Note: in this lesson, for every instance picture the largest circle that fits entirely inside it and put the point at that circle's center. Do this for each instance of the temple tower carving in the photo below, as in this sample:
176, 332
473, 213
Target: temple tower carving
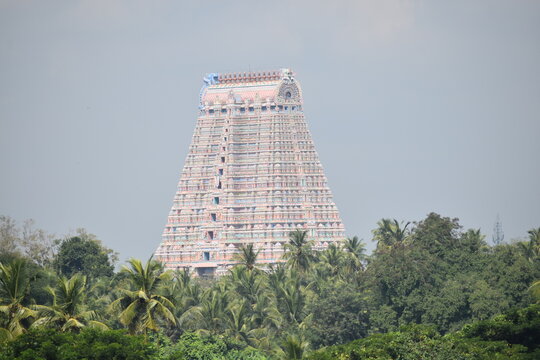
252, 175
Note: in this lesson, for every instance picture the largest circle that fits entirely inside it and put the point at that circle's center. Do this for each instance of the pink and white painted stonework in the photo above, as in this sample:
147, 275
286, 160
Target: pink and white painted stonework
252, 175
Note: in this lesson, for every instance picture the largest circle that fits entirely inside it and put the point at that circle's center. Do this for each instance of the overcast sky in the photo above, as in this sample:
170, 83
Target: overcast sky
414, 106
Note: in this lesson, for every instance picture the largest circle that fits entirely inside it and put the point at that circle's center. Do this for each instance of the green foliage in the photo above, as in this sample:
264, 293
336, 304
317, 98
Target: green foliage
293, 348
518, 326
442, 276
90, 344
195, 347
247, 256
142, 307
84, 254
68, 311
419, 342
408, 300
14, 284
341, 315
299, 252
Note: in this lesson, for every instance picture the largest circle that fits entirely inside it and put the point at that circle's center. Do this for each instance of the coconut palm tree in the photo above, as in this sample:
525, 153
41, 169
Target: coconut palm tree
248, 284
294, 301
298, 251
237, 322
184, 294
277, 275
531, 248
68, 311
390, 233
355, 248
102, 291
247, 256
333, 258
534, 240
293, 348
207, 317
535, 290
265, 313
14, 284
142, 307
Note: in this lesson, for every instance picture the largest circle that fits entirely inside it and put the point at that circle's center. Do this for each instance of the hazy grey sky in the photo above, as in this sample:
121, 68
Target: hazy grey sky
414, 106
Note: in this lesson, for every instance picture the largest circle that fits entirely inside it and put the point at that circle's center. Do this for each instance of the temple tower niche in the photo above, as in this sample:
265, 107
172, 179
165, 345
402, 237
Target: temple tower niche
252, 175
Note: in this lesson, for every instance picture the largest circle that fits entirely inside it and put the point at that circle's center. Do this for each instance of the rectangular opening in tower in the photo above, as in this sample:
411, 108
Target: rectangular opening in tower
216, 200
213, 217
206, 256
211, 235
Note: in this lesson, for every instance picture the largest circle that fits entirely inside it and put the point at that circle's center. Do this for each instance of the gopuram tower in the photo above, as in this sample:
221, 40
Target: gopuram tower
251, 176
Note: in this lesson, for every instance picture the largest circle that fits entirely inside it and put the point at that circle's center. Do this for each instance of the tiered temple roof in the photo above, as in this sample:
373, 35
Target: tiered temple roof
252, 175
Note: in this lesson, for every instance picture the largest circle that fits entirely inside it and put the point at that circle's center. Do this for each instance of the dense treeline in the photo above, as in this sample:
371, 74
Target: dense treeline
422, 287
514, 335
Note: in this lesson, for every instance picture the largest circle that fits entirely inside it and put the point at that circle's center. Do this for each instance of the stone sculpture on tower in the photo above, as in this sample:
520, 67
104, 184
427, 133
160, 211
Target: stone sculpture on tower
251, 176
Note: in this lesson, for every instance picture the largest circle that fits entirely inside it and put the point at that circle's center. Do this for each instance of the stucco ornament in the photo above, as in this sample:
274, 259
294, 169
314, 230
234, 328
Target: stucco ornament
289, 91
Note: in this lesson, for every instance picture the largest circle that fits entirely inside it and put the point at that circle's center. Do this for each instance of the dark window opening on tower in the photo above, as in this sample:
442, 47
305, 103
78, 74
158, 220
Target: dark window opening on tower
216, 200
251, 109
280, 107
213, 216
242, 110
211, 235
263, 108
288, 95
225, 138
220, 171
223, 111
219, 185
223, 159
273, 107
206, 256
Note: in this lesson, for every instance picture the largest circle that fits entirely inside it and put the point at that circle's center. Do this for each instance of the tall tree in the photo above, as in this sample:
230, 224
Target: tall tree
36, 245
84, 254
390, 233
142, 307
68, 311
298, 251
356, 248
532, 247
333, 258
247, 256
354, 257
207, 317
293, 348
14, 284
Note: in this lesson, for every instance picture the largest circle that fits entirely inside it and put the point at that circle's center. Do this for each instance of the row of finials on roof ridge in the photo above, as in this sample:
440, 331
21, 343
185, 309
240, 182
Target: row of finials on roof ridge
253, 76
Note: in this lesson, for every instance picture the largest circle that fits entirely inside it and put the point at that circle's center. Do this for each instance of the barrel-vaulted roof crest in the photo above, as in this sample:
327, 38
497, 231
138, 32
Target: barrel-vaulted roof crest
260, 86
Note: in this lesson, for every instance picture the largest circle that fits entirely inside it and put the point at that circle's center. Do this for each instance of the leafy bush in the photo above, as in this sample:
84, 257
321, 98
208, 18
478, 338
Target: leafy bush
90, 344
515, 335
191, 346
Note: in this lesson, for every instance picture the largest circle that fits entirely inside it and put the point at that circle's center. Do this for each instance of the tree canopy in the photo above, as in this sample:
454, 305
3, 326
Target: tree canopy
430, 290
86, 255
